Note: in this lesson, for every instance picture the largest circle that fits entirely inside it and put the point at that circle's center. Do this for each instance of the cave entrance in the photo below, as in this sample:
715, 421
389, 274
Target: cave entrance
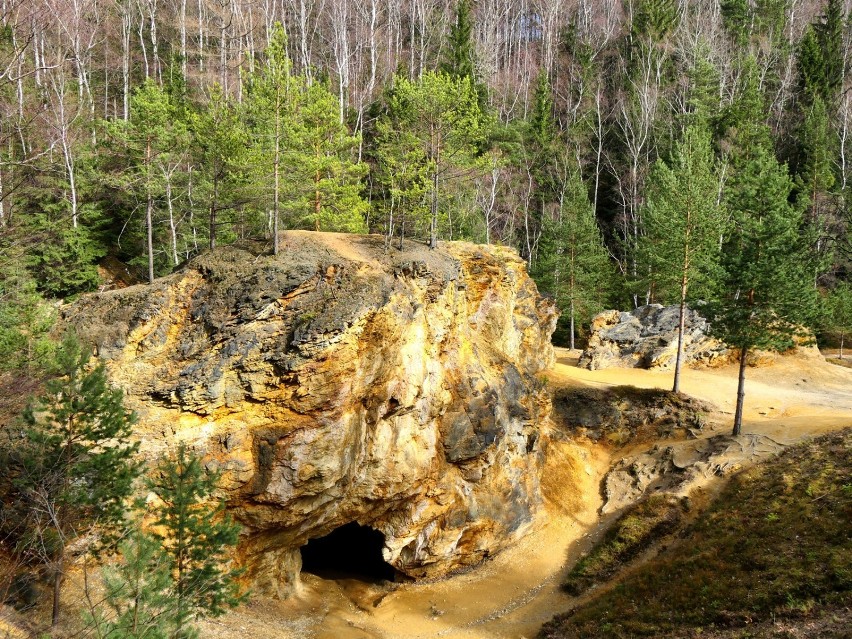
349, 552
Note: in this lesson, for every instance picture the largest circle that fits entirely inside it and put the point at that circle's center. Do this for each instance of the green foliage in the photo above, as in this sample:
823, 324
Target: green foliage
737, 19
838, 315
573, 264
148, 153
302, 149
74, 469
222, 141
767, 295
683, 222
25, 318
435, 123
655, 19
323, 166
460, 54
820, 56
138, 601
196, 536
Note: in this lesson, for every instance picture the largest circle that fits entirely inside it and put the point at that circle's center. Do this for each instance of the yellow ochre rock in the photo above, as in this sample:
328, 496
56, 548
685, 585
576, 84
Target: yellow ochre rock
344, 382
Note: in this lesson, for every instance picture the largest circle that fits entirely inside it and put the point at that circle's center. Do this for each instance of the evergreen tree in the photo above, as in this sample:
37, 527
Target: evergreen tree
573, 263
821, 56
148, 150
324, 172
271, 107
737, 18
444, 125
815, 179
683, 225
221, 140
544, 146
137, 594
25, 317
74, 468
197, 536
460, 56
767, 295
838, 318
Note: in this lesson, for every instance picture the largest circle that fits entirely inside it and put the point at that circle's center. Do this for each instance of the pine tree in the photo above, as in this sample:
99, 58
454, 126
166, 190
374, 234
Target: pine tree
402, 177
325, 176
815, 179
445, 125
148, 149
767, 295
573, 263
460, 57
820, 56
137, 594
683, 225
74, 468
271, 92
838, 319
197, 537
221, 141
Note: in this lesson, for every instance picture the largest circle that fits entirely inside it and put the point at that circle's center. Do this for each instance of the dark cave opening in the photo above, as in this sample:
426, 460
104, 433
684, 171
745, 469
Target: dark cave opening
349, 552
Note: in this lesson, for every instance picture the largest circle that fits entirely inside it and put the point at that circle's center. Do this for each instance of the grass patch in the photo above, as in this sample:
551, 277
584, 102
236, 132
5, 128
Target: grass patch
633, 532
777, 542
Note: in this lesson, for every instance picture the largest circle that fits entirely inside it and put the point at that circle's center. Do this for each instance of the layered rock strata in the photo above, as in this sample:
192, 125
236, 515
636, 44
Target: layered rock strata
340, 382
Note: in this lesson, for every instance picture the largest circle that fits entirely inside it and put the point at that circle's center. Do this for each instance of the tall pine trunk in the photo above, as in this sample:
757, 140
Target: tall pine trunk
57, 588
680, 326
149, 214
738, 413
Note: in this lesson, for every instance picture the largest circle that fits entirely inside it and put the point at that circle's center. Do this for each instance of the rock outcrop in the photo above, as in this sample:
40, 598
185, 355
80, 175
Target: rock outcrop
342, 383
647, 338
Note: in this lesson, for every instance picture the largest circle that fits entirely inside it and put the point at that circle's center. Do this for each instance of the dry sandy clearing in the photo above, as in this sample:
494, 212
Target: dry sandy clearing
511, 595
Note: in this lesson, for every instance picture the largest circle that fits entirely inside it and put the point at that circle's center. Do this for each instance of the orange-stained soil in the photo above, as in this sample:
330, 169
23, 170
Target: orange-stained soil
511, 595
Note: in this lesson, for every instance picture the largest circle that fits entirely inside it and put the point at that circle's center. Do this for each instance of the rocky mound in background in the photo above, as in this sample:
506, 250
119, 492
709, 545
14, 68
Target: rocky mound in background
647, 338
341, 383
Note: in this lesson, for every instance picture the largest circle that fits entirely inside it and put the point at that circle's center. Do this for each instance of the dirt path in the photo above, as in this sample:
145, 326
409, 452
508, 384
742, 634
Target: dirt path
511, 595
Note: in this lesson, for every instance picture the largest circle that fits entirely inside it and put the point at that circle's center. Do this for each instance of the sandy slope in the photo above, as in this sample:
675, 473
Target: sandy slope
514, 593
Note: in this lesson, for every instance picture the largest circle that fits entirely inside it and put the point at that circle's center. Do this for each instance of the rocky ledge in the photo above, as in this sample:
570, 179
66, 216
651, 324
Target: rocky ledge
341, 383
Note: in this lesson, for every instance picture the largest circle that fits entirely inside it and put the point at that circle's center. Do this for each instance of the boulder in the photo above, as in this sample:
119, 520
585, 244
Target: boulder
341, 382
647, 338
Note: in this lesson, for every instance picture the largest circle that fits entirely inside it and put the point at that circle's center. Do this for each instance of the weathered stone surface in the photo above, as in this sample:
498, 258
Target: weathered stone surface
681, 466
626, 414
647, 338
339, 383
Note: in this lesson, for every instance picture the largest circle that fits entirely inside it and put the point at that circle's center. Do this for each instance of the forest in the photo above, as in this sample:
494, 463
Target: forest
633, 151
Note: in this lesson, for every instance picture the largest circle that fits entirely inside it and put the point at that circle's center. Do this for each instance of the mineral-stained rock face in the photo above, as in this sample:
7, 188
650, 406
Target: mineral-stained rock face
340, 382
647, 338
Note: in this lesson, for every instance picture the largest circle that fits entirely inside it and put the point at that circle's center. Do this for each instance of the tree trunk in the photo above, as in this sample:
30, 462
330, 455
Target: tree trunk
57, 586
317, 200
149, 215
275, 211
680, 326
738, 413
841, 347
572, 325
433, 223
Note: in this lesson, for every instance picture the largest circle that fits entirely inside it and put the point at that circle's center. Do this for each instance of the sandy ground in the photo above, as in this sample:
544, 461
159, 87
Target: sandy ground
511, 595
